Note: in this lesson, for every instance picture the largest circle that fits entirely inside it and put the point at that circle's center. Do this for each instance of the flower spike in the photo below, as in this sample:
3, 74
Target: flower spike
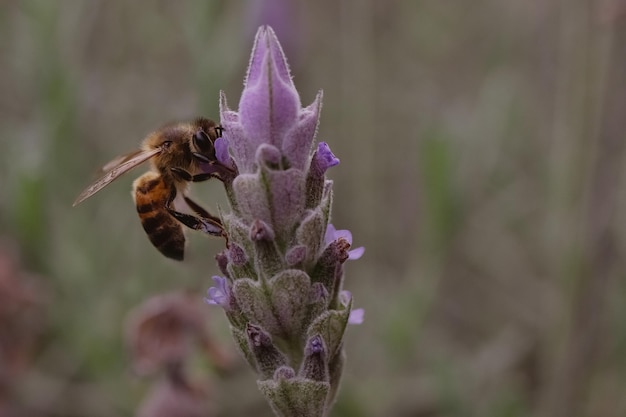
283, 292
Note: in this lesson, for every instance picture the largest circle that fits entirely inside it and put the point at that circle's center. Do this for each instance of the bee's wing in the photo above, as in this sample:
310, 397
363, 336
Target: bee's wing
114, 169
120, 160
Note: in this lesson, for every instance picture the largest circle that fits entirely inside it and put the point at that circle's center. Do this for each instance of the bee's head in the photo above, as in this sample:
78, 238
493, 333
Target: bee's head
174, 142
203, 140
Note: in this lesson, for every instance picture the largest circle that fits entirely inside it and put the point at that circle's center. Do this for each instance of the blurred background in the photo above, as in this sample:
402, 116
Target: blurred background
482, 166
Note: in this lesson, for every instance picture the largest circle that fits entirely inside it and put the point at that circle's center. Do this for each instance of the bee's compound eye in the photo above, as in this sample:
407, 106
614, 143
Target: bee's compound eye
202, 142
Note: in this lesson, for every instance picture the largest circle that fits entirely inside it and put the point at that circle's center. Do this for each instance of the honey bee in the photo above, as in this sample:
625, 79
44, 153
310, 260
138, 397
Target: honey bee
179, 153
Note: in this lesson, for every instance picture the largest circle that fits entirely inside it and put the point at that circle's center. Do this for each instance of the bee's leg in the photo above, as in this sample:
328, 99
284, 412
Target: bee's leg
186, 176
201, 211
181, 174
202, 158
204, 221
204, 177
205, 225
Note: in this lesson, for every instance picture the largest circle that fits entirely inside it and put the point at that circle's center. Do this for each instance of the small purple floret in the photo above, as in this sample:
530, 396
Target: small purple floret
356, 316
315, 345
221, 151
333, 234
220, 294
356, 253
324, 157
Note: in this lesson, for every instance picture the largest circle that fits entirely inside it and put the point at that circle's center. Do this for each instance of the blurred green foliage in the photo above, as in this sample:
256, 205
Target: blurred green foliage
482, 155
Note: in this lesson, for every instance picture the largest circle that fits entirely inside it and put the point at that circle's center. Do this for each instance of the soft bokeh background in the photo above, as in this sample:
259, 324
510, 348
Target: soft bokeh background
482, 165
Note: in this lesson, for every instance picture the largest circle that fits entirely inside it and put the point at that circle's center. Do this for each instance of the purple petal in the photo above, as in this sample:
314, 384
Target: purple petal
220, 294
356, 253
266, 42
270, 103
221, 151
297, 143
344, 233
333, 234
356, 316
324, 157
242, 150
329, 237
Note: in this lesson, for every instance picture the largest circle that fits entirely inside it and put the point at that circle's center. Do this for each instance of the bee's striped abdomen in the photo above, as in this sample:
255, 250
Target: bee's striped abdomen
152, 195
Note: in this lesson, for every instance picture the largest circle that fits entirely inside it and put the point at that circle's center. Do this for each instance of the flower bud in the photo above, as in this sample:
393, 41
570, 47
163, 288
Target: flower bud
315, 364
322, 159
268, 357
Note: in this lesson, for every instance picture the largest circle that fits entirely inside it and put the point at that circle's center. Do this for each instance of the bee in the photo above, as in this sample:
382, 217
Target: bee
179, 153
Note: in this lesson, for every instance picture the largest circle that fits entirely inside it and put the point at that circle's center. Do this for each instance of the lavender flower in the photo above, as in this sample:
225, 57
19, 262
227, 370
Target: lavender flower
333, 234
219, 295
283, 286
357, 316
